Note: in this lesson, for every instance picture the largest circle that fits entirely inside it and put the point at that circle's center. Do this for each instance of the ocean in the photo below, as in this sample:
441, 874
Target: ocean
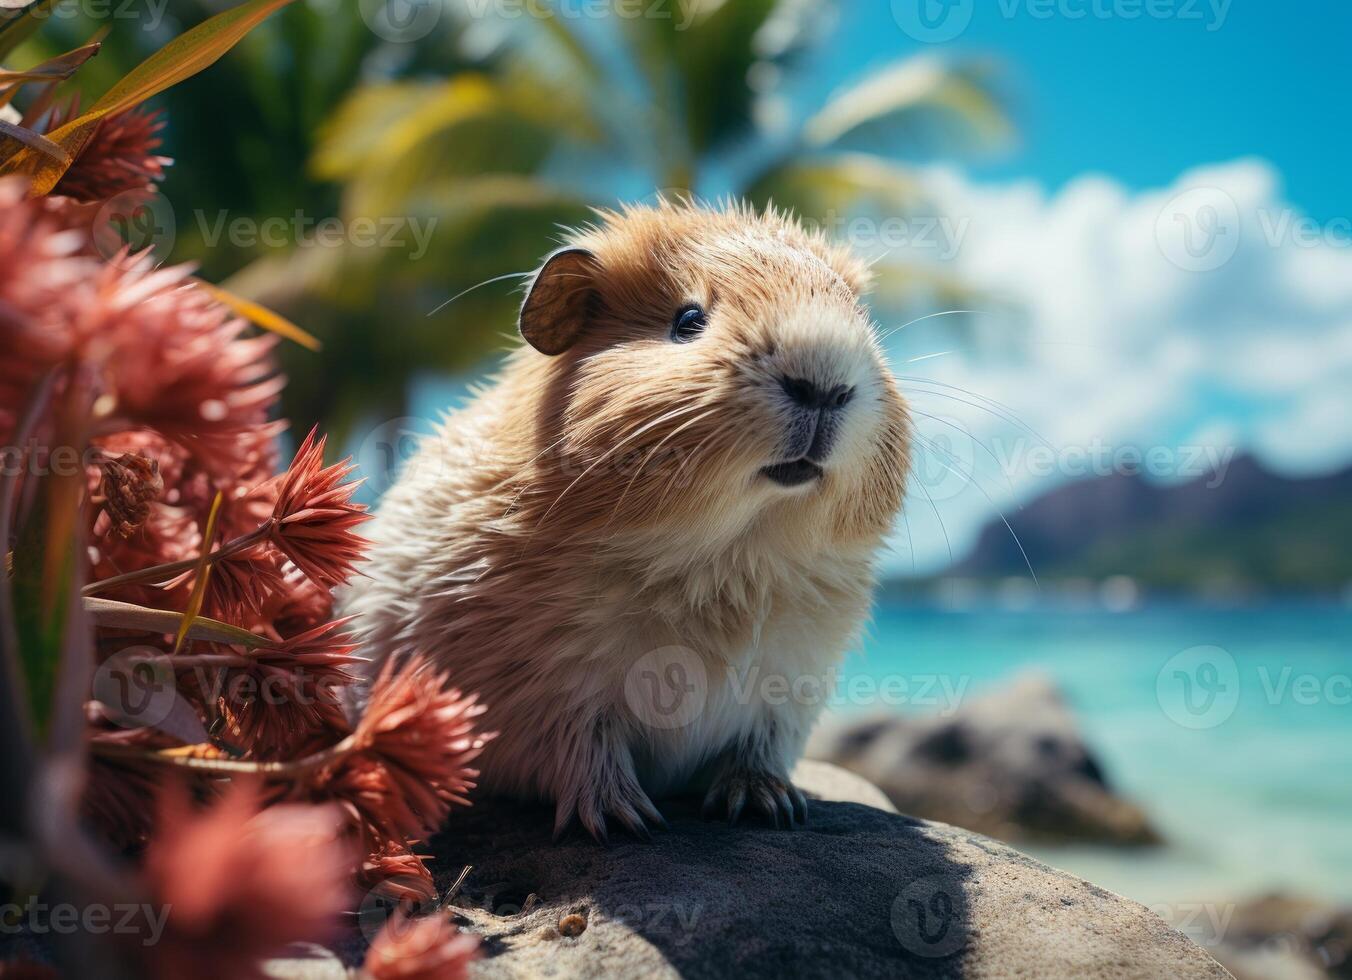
1231, 726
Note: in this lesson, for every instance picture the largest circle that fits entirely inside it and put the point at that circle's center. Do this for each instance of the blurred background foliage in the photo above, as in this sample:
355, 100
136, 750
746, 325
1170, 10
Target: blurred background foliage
498, 124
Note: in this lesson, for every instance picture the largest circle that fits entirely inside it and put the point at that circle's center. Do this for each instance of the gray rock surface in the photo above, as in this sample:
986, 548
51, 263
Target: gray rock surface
859, 892
1011, 764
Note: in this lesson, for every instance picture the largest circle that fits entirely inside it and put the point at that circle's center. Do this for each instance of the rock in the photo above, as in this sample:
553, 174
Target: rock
1285, 937
1012, 765
858, 892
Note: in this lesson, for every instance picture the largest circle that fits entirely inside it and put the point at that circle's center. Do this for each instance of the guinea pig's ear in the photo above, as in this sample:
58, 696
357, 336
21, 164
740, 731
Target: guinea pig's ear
559, 302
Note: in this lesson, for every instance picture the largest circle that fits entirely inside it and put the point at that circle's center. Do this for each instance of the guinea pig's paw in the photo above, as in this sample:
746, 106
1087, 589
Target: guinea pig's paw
625, 804
768, 794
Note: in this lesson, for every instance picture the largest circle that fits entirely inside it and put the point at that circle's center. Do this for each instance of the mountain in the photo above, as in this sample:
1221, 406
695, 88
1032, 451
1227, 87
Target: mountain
1249, 530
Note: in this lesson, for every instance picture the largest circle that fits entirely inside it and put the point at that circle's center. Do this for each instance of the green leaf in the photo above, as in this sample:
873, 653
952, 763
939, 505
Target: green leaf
52, 70
181, 58
911, 99
261, 316
128, 615
17, 24
389, 138
44, 582
837, 186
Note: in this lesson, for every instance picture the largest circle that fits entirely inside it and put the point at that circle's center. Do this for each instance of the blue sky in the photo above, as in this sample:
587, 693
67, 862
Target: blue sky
1144, 100
1117, 117
1103, 334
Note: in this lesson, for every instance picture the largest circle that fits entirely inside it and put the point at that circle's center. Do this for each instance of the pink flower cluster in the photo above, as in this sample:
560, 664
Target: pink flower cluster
255, 832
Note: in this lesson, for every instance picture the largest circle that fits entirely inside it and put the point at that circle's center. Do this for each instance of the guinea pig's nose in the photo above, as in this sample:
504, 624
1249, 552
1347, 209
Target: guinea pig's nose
811, 395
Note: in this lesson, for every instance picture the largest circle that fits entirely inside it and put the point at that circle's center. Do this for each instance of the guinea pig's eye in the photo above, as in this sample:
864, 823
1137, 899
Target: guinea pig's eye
688, 324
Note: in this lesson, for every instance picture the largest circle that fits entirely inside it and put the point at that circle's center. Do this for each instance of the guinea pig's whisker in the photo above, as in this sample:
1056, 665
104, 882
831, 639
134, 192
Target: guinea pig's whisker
501, 484
943, 530
928, 316
676, 413
653, 452
1007, 415
957, 428
910, 541
973, 482
929, 357
966, 391
486, 282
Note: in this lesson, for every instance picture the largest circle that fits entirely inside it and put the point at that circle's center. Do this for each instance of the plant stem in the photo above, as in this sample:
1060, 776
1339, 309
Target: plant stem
16, 723
162, 573
276, 770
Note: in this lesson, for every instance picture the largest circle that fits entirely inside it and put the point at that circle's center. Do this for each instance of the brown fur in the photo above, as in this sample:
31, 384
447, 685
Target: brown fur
594, 506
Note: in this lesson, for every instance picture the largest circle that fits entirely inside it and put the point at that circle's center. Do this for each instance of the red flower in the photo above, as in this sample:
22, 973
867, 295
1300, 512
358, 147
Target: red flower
425, 730
173, 359
429, 948
314, 516
414, 746
241, 584
119, 157
399, 876
39, 263
240, 884
292, 691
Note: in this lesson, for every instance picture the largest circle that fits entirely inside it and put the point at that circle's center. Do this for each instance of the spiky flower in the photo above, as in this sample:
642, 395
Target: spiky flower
291, 691
40, 262
398, 875
412, 753
119, 157
428, 948
314, 517
241, 883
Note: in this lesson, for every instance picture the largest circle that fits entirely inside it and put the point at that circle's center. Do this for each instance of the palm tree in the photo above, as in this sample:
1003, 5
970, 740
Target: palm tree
563, 114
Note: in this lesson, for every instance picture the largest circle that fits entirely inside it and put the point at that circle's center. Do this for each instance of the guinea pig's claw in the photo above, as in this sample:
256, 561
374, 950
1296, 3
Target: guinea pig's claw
775, 799
799, 804
631, 810
736, 803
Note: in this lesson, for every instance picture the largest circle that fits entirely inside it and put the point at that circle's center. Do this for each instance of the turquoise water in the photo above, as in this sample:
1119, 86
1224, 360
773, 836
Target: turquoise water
1232, 727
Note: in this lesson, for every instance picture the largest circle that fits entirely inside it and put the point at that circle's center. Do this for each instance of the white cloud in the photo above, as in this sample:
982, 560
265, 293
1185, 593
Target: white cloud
1208, 313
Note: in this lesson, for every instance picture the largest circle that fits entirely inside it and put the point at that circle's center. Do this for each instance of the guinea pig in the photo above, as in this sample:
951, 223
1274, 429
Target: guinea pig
662, 515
